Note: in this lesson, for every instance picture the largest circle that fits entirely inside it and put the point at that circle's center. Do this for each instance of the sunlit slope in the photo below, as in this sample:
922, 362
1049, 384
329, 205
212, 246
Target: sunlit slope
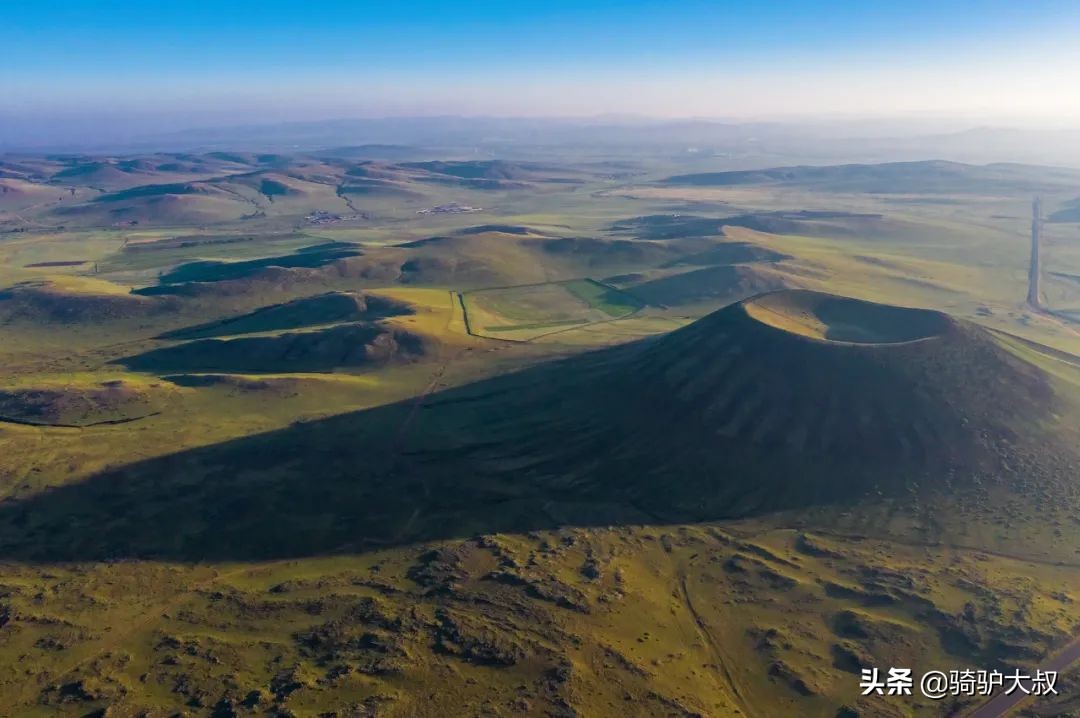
843, 320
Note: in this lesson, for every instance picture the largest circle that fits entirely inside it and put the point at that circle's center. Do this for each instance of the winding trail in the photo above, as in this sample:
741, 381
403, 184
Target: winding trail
714, 646
404, 429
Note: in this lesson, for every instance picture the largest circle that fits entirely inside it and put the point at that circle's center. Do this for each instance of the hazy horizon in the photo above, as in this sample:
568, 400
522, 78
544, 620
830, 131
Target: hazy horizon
83, 68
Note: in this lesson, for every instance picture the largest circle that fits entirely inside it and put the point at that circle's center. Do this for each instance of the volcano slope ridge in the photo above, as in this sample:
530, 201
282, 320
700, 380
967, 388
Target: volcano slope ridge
788, 400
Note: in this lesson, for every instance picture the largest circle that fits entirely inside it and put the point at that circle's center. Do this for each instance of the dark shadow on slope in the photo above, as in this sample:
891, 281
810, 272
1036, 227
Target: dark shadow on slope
216, 271
800, 222
472, 462
730, 253
727, 417
327, 308
357, 344
348, 483
708, 284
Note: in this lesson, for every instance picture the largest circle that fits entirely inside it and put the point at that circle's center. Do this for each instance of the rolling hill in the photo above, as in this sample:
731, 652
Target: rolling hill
103, 173
117, 173
474, 257
355, 344
173, 204
329, 308
16, 193
220, 187
493, 174
809, 223
81, 405
709, 284
897, 178
73, 301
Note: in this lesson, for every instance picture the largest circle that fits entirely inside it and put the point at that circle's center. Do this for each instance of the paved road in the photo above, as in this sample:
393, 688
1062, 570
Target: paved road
1002, 704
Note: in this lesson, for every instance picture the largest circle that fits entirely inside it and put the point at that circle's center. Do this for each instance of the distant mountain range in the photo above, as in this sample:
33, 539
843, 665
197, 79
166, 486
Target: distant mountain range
398, 138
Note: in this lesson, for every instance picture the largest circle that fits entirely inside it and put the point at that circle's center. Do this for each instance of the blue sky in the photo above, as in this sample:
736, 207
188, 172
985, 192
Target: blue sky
292, 60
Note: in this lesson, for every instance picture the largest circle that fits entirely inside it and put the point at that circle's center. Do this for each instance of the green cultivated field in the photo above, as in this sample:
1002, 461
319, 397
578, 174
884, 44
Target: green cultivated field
531, 311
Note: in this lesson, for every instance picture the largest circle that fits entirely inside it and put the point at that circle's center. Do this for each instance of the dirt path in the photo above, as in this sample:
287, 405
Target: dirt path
714, 646
398, 459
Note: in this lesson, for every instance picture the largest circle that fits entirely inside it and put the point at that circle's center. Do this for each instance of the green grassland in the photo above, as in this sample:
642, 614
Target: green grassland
311, 522
532, 311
